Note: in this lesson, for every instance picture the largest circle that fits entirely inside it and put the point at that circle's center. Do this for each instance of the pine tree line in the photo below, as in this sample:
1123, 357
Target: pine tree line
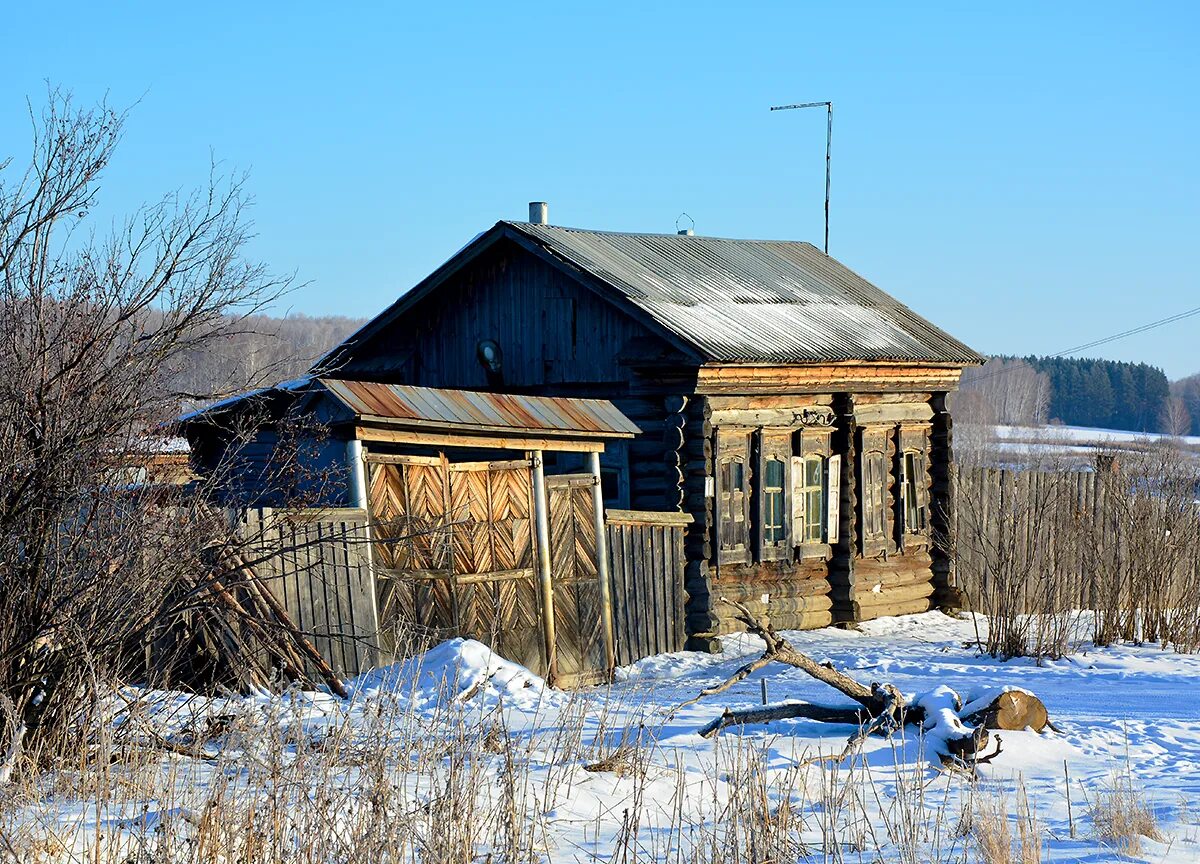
1109, 394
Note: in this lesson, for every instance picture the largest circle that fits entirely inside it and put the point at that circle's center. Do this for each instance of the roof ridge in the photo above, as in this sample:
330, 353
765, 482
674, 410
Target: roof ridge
522, 226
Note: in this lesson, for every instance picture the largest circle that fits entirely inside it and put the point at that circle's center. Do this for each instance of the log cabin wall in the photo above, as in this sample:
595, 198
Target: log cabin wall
737, 547
891, 566
854, 575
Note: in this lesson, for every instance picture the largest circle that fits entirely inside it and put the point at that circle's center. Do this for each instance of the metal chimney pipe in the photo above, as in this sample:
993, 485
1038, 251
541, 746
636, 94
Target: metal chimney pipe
539, 212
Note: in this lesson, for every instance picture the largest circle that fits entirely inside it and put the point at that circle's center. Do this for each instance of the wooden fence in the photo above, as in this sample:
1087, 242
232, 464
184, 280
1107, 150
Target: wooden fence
317, 564
1047, 541
1027, 529
647, 571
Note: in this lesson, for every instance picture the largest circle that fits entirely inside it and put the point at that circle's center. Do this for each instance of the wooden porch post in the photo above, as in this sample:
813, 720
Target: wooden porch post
602, 562
541, 515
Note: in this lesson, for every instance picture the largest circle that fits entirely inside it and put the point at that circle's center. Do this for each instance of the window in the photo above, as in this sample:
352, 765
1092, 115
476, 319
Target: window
914, 492
733, 498
874, 496
773, 478
774, 494
812, 490
816, 492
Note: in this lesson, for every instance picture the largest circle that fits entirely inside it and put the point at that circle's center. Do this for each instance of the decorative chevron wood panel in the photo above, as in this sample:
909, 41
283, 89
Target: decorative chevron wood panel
579, 640
457, 542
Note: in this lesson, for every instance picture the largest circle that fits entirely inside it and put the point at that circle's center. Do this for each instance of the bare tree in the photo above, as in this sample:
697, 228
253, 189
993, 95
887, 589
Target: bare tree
1175, 420
95, 326
1014, 392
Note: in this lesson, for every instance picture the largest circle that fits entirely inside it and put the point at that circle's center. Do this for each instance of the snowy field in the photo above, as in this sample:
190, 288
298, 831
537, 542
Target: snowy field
1075, 445
469, 739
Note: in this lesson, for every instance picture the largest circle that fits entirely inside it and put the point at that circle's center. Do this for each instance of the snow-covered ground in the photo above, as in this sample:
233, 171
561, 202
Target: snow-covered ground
1123, 711
1074, 445
1086, 435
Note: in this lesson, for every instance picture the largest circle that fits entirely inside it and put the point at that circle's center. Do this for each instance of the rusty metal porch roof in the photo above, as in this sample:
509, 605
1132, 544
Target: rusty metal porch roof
469, 411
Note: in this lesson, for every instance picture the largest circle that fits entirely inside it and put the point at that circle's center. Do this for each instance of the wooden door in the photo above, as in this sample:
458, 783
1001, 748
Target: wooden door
496, 587
578, 622
412, 550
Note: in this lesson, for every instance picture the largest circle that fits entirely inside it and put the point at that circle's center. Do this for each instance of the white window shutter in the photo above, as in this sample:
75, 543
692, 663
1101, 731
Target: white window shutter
797, 484
833, 499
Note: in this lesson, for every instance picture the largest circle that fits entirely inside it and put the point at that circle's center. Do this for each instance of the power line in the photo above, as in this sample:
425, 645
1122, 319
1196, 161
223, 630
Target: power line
1170, 319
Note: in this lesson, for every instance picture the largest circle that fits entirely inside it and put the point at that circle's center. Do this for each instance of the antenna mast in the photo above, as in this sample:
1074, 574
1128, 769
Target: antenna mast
828, 106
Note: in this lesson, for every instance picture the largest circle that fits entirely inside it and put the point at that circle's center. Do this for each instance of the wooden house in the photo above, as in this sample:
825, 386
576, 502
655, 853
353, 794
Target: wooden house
793, 409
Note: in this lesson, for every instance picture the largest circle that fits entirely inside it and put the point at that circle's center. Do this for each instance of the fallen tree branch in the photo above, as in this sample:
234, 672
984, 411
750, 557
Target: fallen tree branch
787, 711
957, 740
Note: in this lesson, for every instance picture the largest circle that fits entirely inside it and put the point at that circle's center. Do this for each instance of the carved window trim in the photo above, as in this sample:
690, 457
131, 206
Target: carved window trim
733, 482
875, 480
774, 531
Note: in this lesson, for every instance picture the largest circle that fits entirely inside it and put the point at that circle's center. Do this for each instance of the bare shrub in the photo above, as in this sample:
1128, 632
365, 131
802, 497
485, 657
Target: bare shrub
1036, 546
94, 328
1008, 566
1146, 551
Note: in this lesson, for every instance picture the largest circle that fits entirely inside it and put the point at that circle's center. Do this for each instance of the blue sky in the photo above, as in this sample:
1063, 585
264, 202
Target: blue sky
1025, 175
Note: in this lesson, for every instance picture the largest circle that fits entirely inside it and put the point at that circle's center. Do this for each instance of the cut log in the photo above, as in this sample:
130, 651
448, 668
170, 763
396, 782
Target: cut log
787, 711
1012, 711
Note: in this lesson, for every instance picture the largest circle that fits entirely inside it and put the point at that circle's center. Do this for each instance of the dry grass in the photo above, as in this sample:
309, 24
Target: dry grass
273, 781
1121, 815
991, 830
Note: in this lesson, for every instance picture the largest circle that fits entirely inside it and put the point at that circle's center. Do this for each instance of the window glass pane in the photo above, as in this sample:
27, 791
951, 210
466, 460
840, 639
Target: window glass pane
813, 511
774, 478
736, 476
773, 518
812, 472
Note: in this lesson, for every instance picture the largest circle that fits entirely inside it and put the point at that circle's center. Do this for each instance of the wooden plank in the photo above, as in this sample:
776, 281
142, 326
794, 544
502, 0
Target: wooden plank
620, 593
680, 609
318, 594
647, 517
413, 575
495, 576
662, 578
396, 459
483, 440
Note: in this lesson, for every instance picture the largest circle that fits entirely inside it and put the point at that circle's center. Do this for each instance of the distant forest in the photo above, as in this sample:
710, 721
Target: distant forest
259, 351
1081, 392
1105, 393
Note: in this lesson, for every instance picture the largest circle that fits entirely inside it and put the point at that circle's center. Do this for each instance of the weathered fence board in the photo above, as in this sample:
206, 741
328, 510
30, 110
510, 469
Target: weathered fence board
317, 564
647, 571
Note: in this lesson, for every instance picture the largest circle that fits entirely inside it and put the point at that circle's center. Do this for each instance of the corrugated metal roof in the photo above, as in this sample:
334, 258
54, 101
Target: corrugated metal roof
753, 300
466, 409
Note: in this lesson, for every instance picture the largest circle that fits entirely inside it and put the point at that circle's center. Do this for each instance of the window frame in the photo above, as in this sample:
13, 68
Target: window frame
732, 505
806, 489
874, 491
913, 459
815, 443
774, 445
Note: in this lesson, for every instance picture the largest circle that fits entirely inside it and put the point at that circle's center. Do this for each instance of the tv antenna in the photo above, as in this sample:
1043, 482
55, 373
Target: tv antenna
828, 106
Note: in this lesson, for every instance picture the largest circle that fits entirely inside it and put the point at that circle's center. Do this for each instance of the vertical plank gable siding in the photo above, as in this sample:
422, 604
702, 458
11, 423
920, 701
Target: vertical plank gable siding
317, 564
551, 330
647, 564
